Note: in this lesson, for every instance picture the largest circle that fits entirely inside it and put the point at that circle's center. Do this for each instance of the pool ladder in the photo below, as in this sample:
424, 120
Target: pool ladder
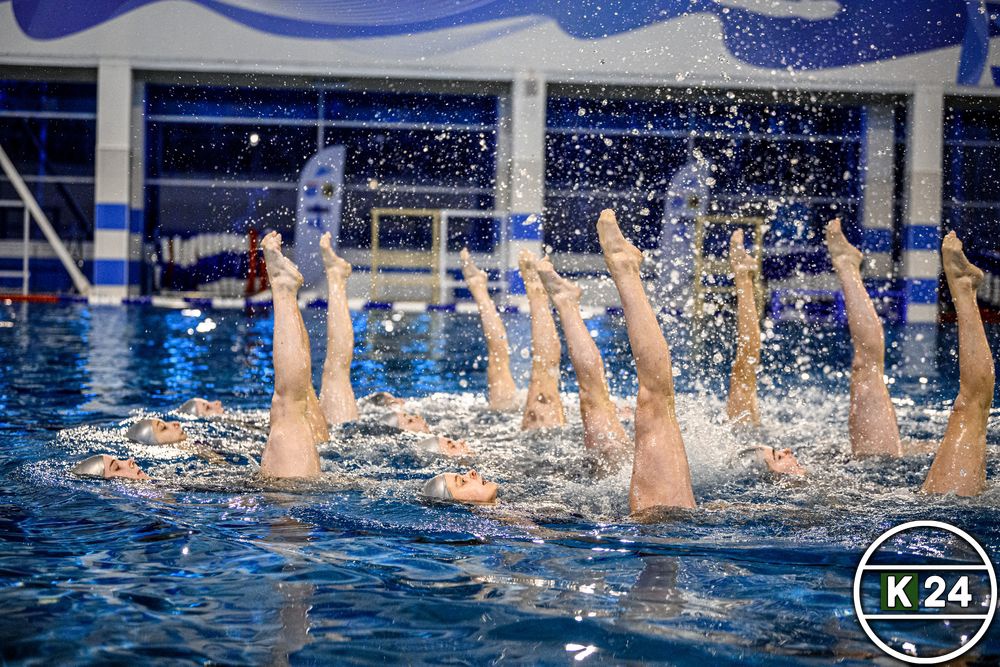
33, 210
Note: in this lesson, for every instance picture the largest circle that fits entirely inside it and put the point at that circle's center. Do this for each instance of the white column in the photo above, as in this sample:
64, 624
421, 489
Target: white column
111, 215
922, 232
526, 175
137, 188
879, 157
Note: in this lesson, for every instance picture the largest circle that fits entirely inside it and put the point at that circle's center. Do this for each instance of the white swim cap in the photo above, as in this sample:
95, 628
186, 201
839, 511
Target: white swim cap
190, 407
92, 467
142, 432
437, 488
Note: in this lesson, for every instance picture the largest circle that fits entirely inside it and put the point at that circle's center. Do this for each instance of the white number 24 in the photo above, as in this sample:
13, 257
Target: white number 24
959, 592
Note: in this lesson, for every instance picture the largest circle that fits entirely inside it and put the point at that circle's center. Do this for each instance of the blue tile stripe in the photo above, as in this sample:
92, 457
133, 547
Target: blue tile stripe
877, 240
519, 228
922, 237
923, 290
515, 284
111, 217
116, 272
137, 221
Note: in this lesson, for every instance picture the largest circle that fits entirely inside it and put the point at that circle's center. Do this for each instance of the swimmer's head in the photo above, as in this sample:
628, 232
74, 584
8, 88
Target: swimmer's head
443, 445
106, 467
155, 432
778, 461
383, 399
405, 421
467, 488
199, 407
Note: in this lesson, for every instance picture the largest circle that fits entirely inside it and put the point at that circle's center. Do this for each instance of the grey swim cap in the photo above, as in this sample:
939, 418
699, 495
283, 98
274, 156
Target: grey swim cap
381, 398
142, 432
190, 407
92, 467
437, 487
430, 443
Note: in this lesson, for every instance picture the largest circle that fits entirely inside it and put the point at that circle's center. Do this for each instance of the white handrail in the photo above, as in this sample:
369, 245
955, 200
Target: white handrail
79, 280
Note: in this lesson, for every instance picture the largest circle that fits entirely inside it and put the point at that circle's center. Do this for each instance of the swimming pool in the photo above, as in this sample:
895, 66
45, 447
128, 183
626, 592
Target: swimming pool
209, 565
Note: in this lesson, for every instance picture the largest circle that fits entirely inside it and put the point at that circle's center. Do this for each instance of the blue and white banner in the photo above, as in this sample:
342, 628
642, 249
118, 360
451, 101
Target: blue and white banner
690, 37
321, 198
687, 197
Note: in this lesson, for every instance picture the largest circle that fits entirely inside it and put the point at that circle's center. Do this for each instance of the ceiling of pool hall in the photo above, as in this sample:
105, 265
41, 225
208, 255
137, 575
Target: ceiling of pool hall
863, 43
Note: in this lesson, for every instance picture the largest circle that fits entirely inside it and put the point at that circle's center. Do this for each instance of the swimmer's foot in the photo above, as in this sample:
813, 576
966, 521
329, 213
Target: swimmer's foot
619, 254
957, 267
739, 259
842, 254
337, 268
475, 277
527, 264
561, 291
281, 272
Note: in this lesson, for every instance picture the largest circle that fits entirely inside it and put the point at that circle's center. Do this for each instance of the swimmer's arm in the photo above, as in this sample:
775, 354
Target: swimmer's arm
202, 452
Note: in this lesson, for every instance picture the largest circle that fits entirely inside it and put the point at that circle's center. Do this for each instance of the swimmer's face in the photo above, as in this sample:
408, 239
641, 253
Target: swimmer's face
117, 468
450, 447
167, 433
471, 487
204, 408
780, 461
415, 423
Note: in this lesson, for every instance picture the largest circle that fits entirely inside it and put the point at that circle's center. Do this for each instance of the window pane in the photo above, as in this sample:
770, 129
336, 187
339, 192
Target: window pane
192, 210
69, 207
53, 147
446, 158
384, 107
48, 96
208, 151
232, 101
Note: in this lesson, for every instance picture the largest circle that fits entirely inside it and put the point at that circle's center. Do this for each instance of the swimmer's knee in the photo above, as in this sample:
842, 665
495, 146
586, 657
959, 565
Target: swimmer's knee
970, 402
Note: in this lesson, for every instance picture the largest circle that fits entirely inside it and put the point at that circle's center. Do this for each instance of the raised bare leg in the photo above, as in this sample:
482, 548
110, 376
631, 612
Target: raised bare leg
742, 403
872, 423
336, 397
960, 464
291, 442
660, 472
502, 390
603, 435
313, 409
543, 407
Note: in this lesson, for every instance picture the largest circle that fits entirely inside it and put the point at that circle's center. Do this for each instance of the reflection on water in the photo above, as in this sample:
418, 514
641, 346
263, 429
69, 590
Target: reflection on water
210, 564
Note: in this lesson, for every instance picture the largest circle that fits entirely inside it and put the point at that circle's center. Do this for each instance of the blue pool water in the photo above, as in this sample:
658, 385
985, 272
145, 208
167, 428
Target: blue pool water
209, 565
